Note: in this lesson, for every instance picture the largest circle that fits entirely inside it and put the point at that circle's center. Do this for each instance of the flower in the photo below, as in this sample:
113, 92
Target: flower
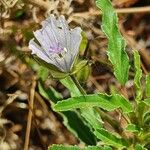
57, 44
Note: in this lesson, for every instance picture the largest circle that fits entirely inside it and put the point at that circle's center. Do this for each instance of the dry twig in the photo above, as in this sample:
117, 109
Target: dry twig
31, 102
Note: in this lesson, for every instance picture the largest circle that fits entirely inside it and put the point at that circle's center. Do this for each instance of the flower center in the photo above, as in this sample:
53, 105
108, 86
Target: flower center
58, 50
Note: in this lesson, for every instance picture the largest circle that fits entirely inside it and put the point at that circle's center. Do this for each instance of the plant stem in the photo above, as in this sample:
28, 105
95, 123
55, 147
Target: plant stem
78, 84
105, 116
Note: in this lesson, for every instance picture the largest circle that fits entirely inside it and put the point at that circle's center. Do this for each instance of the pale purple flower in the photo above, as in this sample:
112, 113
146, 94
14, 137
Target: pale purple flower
59, 45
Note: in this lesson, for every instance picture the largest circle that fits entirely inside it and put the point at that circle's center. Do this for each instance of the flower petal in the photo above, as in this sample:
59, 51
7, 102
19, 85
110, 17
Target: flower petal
57, 39
37, 50
75, 40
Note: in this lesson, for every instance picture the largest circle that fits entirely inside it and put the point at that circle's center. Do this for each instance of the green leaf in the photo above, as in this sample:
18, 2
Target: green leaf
132, 128
71, 119
138, 75
61, 147
91, 116
77, 126
83, 42
97, 148
148, 85
147, 118
110, 139
139, 147
146, 101
107, 148
106, 102
43, 73
116, 43
69, 84
93, 148
50, 93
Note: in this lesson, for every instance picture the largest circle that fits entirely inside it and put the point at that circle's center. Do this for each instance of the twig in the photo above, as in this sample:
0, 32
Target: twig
46, 5
124, 91
36, 125
40, 3
93, 12
145, 9
31, 102
11, 98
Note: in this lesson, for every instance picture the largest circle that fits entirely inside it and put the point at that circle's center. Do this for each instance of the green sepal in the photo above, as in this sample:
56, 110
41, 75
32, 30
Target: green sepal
84, 73
84, 42
79, 64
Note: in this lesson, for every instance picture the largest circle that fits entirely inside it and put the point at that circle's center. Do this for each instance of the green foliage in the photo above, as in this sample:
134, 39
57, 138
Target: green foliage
116, 43
147, 101
138, 75
132, 128
43, 73
79, 65
69, 84
140, 147
91, 116
103, 101
83, 43
84, 73
71, 119
61, 147
148, 85
110, 139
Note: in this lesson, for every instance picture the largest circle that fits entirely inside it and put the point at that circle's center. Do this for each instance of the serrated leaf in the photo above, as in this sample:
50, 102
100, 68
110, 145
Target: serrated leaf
110, 139
107, 148
148, 85
91, 116
61, 147
75, 124
106, 102
138, 75
97, 148
93, 148
71, 119
69, 84
50, 93
116, 43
